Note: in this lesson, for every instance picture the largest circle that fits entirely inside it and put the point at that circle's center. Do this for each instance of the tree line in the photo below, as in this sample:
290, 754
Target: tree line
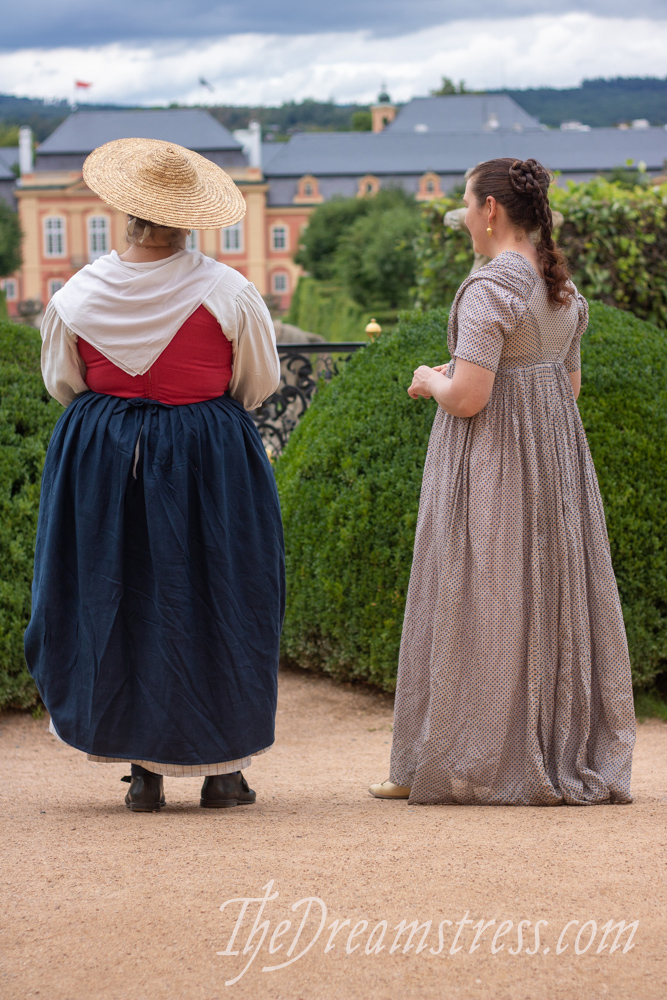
599, 103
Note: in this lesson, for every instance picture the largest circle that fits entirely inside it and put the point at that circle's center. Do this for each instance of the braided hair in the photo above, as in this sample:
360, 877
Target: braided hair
522, 188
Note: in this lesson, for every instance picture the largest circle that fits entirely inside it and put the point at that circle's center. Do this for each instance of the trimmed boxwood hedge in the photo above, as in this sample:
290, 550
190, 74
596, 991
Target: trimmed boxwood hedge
27, 418
350, 477
349, 482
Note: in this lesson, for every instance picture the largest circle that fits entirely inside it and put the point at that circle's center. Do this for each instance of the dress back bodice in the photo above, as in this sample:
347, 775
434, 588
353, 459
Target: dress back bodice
196, 365
502, 318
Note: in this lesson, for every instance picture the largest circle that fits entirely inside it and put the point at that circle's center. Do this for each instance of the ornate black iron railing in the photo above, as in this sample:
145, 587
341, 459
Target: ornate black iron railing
301, 368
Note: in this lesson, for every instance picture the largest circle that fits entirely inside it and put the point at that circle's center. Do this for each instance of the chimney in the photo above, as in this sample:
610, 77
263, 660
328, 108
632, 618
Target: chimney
25, 150
251, 140
255, 144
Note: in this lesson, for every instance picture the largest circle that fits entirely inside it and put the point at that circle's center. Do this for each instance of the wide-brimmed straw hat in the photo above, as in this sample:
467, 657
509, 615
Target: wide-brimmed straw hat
164, 183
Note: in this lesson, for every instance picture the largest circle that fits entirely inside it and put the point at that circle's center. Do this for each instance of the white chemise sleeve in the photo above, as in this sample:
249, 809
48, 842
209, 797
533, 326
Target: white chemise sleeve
63, 369
247, 323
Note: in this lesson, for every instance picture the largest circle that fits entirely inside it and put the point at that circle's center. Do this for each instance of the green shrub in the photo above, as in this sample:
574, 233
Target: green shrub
350, 477
614, 237
443, 256
10, 240
326, 225
27, 418
375, 257
365, 246
615, 240
327, 309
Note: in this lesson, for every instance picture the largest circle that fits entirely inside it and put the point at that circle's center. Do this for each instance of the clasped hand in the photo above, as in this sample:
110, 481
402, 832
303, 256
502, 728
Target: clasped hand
421, 381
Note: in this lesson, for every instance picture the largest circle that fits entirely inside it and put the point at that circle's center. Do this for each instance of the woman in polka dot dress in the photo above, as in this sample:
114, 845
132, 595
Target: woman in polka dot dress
514, 682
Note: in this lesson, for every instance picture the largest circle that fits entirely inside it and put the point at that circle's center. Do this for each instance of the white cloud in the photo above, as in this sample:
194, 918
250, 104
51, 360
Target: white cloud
268, 69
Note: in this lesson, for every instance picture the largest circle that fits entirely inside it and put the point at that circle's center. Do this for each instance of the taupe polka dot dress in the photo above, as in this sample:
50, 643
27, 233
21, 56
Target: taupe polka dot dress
514, 681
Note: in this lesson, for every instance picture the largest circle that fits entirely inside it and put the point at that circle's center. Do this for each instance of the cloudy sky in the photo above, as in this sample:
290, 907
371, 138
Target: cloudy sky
265, 51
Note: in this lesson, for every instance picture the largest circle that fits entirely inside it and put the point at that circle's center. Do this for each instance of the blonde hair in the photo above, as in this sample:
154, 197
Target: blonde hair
139, 230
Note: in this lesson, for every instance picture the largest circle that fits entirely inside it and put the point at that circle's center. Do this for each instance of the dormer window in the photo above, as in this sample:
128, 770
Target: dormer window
308, 191
429, 187
368, 186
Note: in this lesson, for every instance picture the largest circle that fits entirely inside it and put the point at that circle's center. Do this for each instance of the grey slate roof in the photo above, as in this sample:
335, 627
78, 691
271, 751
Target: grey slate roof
357, 153
463, 113
9, 155
269, 151
84, 131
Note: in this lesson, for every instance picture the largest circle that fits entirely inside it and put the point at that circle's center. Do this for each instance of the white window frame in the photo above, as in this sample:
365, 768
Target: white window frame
95, 232
54, 281
55, 234
232, 238
192, 241
282, 228
9, 287
274, 282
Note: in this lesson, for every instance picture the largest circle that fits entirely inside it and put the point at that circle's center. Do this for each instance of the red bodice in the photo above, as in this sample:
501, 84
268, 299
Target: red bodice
197, 365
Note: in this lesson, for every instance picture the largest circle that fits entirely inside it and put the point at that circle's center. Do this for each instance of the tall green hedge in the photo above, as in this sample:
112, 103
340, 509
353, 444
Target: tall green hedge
350, 477
27, 418
614, 238
327, 309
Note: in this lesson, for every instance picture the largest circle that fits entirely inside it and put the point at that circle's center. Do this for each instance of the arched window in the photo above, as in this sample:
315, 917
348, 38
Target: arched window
54, 236
280, 282
368, 186
232, 238
98, 236
308, 191
55, 284
279, 238
429, 187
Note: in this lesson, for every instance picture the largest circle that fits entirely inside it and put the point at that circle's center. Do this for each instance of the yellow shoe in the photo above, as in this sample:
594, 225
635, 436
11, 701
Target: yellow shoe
388, 790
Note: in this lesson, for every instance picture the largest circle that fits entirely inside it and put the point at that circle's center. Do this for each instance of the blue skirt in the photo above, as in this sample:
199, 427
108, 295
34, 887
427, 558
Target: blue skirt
158, 593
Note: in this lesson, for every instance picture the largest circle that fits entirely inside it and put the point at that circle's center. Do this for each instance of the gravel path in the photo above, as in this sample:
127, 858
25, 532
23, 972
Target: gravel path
102, 904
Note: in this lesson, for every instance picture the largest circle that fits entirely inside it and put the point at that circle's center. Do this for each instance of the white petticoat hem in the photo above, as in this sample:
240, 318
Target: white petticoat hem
172, 770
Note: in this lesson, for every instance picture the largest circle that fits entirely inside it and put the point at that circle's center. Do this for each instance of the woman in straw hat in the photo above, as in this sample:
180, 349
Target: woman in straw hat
158, 593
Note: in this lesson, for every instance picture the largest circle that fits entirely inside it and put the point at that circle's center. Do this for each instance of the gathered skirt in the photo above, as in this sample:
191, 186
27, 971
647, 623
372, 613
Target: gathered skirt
158, 592
514, 682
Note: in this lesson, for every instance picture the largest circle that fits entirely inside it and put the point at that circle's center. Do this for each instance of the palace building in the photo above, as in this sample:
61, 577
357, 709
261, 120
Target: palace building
425, 147
65, 225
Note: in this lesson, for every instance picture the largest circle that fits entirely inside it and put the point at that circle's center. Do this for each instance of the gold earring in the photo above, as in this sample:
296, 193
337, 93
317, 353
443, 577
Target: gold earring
489, 231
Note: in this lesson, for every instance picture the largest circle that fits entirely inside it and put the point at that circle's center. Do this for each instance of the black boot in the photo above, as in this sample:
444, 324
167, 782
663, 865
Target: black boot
221, 791
146, 792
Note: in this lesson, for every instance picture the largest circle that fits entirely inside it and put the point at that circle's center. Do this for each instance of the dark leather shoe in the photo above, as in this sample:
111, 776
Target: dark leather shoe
221, 791
146, 793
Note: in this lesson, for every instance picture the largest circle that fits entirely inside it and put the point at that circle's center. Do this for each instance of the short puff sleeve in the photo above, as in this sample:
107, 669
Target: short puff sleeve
485, 316
573, 356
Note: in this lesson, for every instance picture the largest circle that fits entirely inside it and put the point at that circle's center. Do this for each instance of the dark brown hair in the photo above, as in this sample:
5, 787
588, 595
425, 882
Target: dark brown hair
522, 188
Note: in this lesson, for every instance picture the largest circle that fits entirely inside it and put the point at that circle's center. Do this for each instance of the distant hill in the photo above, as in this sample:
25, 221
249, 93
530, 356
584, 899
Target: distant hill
598, 103
306, 116
595, 102
42, 116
